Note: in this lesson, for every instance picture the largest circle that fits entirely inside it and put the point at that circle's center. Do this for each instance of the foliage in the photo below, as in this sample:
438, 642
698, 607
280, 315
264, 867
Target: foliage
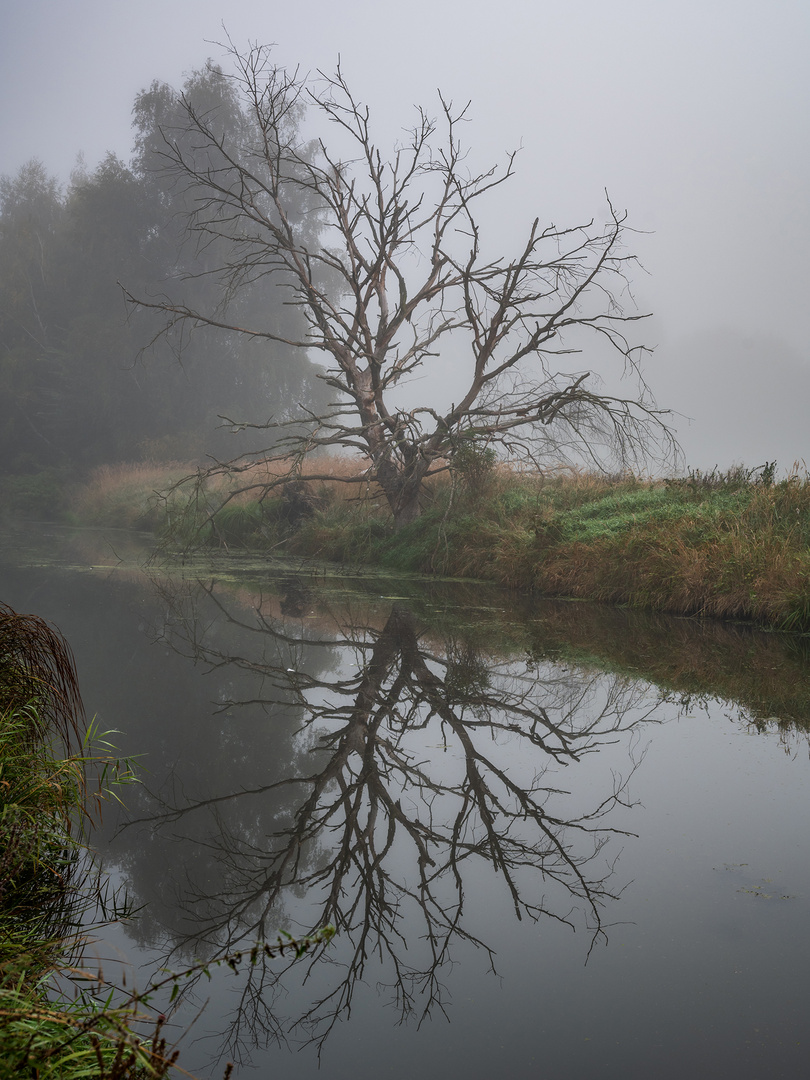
128, 496
94, 1034
37, 677
76, 388
697, 482
473, 460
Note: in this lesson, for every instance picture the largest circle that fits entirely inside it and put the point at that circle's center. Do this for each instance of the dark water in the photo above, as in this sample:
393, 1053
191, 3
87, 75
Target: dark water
555, 839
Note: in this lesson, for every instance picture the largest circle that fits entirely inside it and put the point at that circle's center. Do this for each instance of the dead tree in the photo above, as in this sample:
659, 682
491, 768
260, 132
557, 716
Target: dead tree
385, 256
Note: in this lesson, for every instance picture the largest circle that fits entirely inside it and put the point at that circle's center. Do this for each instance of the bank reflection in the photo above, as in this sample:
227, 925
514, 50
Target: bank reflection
423, 776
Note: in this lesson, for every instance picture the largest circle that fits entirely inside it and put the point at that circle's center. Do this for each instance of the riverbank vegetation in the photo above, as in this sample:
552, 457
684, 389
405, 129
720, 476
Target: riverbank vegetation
733, 544
57, 1019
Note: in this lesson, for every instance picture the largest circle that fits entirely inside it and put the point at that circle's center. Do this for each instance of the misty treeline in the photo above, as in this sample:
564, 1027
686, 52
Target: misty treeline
82, 380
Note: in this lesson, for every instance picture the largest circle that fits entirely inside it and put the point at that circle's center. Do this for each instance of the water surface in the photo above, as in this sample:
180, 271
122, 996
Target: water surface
554, 838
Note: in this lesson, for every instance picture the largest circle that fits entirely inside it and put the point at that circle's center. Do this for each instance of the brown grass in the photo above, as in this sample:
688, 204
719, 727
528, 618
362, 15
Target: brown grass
337, 474
126, 496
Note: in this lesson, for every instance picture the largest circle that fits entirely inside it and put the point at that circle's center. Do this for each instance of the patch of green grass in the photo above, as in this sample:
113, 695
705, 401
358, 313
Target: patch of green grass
352, 533
238, 524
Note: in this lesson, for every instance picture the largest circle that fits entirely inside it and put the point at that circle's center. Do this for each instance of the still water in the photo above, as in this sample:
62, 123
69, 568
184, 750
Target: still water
554, 839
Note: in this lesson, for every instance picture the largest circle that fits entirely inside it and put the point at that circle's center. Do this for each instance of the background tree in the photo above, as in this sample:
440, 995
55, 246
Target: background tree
232, 375
31, 211
396, 271
73, 390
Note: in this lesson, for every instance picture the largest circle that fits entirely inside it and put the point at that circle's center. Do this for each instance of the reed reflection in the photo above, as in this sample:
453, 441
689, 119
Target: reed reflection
425, 774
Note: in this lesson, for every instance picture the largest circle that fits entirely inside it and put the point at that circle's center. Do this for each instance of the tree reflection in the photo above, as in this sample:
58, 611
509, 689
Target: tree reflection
418, 763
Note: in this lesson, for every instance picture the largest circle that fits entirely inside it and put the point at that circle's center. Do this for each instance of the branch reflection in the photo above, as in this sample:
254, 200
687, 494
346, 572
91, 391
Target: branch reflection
425, 776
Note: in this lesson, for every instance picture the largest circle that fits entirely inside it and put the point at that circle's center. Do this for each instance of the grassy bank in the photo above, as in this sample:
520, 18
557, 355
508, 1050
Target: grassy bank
729, 545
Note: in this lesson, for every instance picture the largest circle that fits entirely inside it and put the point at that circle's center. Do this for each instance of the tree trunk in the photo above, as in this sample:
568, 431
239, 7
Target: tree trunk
401, 492
407, 511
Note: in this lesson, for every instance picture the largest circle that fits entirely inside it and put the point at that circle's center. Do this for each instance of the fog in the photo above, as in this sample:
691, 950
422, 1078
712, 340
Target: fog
692, 115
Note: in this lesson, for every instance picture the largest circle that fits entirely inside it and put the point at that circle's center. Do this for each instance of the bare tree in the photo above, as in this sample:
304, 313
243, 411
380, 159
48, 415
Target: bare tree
386, 258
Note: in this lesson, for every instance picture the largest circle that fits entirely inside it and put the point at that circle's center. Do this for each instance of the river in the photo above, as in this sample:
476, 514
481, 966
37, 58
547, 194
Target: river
555, 839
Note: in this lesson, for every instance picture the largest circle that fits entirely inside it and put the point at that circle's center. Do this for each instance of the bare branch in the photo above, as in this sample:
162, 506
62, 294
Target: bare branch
383, 255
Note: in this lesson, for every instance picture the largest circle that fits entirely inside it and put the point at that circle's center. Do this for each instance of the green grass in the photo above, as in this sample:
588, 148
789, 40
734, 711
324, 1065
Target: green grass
48, 898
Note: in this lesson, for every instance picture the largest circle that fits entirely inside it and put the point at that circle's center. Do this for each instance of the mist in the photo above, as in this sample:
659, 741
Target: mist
690, 115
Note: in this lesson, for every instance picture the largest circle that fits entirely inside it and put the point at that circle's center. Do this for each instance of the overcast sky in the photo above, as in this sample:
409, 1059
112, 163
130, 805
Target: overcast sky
693, 114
